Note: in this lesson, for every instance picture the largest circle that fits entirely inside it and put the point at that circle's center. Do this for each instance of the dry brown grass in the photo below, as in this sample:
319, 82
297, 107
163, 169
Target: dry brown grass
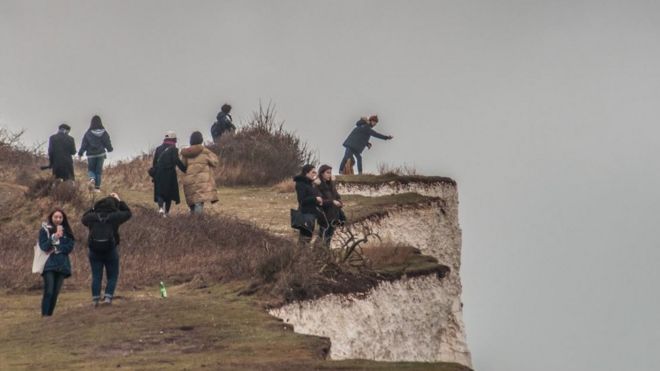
403, 170
285, 186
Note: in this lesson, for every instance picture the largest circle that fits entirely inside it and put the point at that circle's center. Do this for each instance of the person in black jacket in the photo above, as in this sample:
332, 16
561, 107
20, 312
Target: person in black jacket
309, 200
222, 124
95, 143
109, 210
61, 147
332, 204
166, 182
359, 139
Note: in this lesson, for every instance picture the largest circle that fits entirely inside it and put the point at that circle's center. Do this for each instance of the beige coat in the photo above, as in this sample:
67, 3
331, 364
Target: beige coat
199, 180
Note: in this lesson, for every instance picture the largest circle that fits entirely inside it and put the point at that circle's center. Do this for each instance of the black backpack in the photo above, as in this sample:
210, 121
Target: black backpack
102, 236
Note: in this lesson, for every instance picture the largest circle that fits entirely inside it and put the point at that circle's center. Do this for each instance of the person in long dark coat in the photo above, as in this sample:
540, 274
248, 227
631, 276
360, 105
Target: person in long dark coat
61, 148
166, 182
332, 204
309, 200
358, 140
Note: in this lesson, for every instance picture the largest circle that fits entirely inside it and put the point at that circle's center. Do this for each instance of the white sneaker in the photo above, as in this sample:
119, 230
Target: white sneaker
161, 212
96, 190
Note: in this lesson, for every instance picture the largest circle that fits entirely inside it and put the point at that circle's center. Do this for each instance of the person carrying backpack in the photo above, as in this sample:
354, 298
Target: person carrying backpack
56, 239
95, 143
103, 222
222, 124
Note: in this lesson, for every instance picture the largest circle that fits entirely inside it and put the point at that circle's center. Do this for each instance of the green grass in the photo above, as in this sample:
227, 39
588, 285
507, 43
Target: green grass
210, 328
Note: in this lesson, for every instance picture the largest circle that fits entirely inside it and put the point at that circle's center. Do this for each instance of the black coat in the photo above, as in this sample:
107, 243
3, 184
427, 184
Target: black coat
223, 124
95, 143
166, 182
115, 217
359, 138
61, 147
329, 194
307, 194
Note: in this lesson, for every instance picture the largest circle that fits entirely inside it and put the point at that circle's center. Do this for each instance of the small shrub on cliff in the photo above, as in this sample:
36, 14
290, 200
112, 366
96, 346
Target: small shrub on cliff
261, 152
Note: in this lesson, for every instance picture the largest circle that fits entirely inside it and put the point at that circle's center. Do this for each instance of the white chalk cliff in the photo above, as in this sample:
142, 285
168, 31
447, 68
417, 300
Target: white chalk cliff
411, 319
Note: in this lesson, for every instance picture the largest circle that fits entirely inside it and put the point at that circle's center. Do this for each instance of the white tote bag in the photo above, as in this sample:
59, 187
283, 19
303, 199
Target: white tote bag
40, 258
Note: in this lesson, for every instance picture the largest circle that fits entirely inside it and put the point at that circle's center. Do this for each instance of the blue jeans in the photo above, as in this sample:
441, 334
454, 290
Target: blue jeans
197, 208
351, 154
95, 169
109, 261
52, 286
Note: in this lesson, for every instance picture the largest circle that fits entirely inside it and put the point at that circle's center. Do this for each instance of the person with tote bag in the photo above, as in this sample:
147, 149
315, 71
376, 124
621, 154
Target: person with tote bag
56, 241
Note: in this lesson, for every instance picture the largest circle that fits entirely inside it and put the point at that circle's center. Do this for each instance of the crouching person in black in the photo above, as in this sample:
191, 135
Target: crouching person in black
103, 221
332, 205
309, 203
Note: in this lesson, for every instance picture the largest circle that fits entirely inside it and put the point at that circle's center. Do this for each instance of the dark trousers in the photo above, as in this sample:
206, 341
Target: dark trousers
95, 169
357, 158
52, 286
109, 261
164, 204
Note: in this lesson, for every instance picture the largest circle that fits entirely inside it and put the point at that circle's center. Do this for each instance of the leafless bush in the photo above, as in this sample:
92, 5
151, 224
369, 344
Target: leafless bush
261, 152
404, 170
17, 161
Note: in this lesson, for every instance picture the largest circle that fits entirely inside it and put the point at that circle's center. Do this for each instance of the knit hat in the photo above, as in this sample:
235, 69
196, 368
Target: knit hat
170, 135
324, 168
373, 118
196, 138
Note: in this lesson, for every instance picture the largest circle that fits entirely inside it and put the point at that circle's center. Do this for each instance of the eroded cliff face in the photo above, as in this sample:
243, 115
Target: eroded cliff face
413, 319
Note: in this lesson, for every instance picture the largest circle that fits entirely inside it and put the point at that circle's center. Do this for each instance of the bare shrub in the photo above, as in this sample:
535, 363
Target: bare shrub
403, 170
68, 192
261, 152
17, 161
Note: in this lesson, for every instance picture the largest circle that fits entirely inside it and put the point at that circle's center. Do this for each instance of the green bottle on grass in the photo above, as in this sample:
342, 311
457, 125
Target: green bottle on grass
163, 290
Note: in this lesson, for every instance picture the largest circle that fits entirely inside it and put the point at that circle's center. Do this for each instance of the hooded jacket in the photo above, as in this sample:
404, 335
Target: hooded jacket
359, 138
95, 142
199, 180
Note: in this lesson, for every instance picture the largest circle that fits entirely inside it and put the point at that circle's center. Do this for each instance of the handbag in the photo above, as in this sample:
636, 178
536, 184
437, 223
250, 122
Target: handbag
152, 170
302, 221
40, 258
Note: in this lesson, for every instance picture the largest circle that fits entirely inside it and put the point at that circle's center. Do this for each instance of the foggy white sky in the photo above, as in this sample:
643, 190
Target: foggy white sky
545, 112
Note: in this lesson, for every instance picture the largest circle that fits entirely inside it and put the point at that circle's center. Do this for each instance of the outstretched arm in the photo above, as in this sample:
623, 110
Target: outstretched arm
378, 135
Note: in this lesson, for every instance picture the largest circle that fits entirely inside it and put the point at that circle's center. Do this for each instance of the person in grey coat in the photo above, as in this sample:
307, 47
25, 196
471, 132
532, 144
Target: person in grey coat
358, 140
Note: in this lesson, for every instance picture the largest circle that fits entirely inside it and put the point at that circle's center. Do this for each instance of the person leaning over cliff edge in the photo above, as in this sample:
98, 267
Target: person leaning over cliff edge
359, 139
95, 143
61, 147
166, 183
332, 205
309, 202
103, 221
56, 239
199, 180
223, 123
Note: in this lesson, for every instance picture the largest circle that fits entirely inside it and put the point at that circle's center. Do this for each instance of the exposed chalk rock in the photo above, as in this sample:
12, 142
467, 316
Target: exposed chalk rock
415, 319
